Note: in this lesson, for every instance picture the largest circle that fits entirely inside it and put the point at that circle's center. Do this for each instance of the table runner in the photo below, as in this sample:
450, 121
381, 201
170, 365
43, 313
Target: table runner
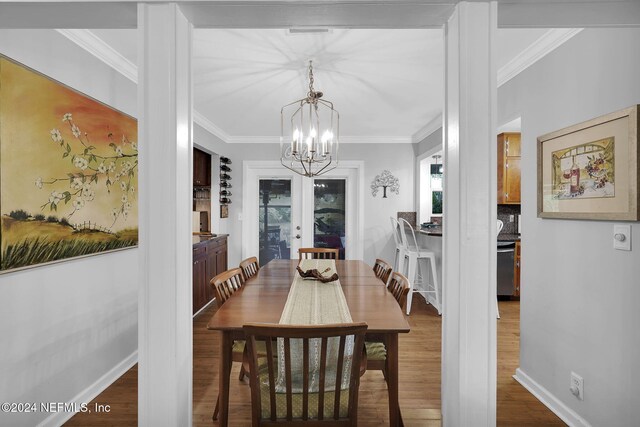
311, 302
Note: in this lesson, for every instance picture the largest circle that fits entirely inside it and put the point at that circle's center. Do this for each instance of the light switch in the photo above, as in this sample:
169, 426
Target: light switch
622, 237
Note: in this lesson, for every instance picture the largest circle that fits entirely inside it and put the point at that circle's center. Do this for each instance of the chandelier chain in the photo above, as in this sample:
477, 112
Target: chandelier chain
311, 78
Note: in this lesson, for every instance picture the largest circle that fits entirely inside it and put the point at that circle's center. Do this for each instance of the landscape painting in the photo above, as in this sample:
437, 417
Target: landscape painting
585, 171
68, 172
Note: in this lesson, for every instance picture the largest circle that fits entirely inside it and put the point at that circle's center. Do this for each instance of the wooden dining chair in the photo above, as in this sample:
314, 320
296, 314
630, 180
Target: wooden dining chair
331, 406
376, 348
318, 253
382, 270
250, 267
225, 285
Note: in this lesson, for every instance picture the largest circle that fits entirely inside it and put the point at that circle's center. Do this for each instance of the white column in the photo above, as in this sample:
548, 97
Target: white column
165, 134
469, 320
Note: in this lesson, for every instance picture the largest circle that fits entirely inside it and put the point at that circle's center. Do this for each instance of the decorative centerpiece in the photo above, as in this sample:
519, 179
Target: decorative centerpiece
314, 274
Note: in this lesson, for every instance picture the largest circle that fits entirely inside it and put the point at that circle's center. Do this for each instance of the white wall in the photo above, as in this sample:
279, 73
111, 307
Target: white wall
378, 241
579, 297
64, 326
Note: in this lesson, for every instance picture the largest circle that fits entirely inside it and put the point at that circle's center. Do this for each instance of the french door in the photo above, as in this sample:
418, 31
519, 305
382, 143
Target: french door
285, 211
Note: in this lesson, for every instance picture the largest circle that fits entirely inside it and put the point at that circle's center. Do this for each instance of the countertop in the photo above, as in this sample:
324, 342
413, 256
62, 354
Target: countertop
437, 232
203, 238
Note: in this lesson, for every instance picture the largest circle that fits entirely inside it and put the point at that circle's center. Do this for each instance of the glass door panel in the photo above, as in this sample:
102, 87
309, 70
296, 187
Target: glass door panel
274, 218
329, 209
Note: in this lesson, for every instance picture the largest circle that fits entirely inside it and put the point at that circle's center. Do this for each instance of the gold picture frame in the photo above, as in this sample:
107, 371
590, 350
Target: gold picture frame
590, 170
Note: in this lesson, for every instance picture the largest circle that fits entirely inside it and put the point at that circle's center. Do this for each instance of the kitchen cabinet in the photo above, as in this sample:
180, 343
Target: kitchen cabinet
509, 168
209, 260
516, 271
201, 168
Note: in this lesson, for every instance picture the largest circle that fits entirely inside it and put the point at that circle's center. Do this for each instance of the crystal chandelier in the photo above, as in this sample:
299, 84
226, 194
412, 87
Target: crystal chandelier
309, 133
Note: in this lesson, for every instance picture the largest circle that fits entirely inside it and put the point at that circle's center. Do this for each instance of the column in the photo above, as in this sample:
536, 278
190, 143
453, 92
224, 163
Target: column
469, 320
165, 143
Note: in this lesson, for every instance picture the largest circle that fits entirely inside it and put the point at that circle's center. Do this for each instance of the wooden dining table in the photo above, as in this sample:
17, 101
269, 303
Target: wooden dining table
262, 299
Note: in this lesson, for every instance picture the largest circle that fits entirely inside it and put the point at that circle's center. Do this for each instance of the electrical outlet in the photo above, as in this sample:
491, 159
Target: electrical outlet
511, 218
577, 386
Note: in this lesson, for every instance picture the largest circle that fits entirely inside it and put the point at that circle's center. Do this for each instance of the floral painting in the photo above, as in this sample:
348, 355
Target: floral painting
584, 171
68, 172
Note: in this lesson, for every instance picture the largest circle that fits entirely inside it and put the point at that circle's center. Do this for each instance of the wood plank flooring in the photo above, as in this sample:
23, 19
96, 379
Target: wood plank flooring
419, 380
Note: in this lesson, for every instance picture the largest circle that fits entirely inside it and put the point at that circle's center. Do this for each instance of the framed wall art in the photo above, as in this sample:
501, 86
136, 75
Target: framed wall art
590, 170
68, 172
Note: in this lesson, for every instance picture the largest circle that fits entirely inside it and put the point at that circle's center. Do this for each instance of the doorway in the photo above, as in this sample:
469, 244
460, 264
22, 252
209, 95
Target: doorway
284, 211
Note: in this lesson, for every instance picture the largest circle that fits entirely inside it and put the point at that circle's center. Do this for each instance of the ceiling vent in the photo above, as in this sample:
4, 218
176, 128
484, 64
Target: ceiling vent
294, 31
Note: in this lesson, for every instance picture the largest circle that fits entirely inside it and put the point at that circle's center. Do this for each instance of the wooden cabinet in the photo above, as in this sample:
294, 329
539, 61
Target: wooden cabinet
200, 275
509, 168
516, 271
201, 168
209, 260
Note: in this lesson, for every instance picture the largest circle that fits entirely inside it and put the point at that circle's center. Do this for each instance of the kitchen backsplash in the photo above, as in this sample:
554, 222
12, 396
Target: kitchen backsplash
503, 214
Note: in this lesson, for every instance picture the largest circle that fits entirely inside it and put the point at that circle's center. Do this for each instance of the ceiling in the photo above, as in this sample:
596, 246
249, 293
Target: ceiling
386, 84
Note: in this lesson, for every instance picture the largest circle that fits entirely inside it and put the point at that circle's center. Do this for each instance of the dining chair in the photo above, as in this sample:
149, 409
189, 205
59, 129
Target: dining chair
225, 285
287, 394
375, 346
412, 255
382, 270
318, 253
250, 267
397, 237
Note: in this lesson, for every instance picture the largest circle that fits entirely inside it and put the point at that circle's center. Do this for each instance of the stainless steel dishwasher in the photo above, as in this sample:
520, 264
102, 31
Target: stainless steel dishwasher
506, 251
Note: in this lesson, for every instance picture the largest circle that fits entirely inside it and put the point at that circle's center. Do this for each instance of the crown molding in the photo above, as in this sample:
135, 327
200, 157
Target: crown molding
536, 51
103, 51
428, 129
210, 126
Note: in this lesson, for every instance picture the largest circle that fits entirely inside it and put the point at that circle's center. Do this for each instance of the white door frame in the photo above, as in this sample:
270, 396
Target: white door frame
352, 171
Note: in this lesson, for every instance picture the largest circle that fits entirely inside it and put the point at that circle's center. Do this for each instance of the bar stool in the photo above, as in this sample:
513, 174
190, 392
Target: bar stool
413, 254
397, 236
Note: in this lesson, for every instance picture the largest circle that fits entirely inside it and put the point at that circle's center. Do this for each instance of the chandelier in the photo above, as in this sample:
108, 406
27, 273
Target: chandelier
309, 133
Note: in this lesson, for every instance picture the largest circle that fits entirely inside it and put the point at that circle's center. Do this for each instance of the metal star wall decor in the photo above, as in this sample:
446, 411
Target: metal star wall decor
385, 180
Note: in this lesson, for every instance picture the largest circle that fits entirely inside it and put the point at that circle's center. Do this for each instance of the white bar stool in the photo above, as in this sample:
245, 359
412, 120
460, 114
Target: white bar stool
398, 262
413, 254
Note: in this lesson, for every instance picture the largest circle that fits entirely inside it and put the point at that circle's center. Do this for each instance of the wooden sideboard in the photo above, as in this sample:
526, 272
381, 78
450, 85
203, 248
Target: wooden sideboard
209, 260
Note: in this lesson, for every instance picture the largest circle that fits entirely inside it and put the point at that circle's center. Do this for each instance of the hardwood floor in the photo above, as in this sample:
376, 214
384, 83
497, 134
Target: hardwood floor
419, 380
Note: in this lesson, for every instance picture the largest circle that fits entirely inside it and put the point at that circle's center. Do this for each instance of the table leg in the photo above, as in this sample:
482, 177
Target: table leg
225, 372
395, 418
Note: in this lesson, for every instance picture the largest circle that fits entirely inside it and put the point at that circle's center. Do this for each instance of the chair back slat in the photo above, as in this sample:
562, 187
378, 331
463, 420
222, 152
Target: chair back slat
226, 284
294, 415
409, 240
318, 253
250, 267
305, 380
272, 378
336, 403
397, 234
382, 270
323, 368
288, 374
399, 287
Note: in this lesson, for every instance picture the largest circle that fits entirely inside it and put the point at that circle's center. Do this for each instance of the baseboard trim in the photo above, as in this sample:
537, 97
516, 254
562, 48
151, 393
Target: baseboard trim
565, 413
91, 392
204, 308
